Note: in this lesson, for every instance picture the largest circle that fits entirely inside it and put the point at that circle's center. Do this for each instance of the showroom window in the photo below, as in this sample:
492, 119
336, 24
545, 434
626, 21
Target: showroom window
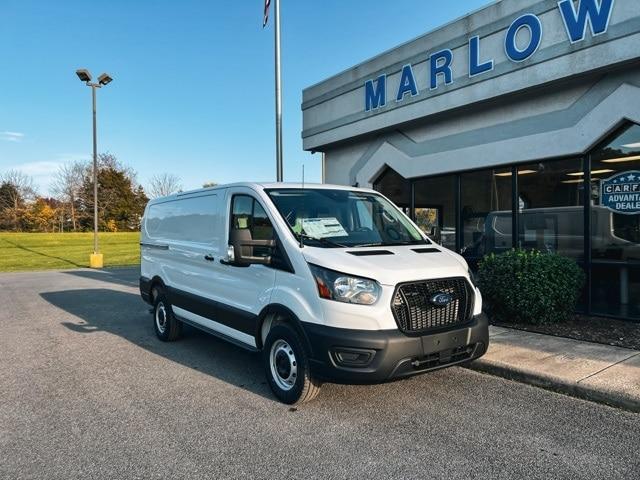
436, 210
615, 225
396, 188
485, 212
551, 207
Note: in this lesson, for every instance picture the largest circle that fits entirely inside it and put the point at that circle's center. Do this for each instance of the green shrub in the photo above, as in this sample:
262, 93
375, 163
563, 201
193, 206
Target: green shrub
529, 286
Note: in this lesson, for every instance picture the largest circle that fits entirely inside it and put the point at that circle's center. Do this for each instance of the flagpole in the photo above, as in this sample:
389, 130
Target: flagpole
279, 169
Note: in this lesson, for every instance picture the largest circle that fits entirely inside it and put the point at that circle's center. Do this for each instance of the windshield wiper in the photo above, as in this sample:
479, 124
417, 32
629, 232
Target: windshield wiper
321, 240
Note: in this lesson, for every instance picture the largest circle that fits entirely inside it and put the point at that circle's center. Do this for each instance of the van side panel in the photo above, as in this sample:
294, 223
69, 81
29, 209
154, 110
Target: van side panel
179, 233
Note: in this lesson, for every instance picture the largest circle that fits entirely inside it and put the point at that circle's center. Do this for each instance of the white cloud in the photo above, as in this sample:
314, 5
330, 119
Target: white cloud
42, 173
39, 169
11, 136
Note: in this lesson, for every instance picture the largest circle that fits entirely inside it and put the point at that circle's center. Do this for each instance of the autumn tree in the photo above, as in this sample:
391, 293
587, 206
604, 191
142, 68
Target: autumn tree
41, 215
120, 198
16, 189
164, 184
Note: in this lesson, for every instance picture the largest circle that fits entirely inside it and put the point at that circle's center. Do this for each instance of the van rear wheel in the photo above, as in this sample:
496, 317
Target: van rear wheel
286, 365
167, 327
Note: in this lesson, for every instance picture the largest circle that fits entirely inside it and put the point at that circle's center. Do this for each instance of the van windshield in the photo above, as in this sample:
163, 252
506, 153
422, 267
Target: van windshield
341, 218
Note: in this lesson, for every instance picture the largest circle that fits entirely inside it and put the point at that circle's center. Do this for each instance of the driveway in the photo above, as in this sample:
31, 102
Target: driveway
87, 391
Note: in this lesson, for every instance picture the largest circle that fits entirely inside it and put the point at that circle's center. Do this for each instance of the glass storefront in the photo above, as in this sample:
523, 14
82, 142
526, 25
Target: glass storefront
485, 210
396, 188
551, 207
544, 206
615, 225
435, 208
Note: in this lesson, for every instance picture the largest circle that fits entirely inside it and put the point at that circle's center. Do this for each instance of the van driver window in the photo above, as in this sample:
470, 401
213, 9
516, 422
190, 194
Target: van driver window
248, 216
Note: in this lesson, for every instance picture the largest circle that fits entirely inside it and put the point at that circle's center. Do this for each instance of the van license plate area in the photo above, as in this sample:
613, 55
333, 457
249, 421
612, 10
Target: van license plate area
443, 342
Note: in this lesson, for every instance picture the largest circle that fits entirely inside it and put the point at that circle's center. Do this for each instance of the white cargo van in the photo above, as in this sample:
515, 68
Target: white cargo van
330, 283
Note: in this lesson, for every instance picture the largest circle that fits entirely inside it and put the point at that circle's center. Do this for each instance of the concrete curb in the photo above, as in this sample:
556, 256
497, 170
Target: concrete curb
606, 397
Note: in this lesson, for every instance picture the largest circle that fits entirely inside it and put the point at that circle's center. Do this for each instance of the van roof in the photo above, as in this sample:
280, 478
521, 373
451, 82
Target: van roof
267, 185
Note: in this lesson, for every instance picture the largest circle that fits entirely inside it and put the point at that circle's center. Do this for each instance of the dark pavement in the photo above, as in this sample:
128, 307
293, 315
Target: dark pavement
87, 391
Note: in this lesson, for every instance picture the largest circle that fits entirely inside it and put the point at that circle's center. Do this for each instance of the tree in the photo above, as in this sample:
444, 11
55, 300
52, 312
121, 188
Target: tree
41, 215
120, 198
16, 189
66, 186
164, 184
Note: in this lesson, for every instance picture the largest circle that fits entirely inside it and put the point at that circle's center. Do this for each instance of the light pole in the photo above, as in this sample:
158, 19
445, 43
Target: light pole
279, 165
96, 259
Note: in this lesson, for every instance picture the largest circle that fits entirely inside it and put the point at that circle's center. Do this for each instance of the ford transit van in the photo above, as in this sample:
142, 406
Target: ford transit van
329, 283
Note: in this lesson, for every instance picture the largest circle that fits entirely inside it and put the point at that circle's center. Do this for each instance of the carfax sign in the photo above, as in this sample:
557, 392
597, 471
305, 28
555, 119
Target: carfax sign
621, 193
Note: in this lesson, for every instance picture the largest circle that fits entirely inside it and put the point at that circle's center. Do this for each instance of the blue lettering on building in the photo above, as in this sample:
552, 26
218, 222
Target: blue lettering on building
475, 67
589, 12
441, 65
376, 94
531, 23
596, 14
621, 193
407, 83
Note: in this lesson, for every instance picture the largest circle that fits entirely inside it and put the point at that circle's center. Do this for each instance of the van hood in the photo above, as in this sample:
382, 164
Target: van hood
390, 265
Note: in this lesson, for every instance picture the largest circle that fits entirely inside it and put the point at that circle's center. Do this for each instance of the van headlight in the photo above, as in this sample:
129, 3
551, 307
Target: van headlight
345, 288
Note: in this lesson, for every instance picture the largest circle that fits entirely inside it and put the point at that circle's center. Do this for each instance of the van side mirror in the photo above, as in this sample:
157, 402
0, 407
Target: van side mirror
240, 252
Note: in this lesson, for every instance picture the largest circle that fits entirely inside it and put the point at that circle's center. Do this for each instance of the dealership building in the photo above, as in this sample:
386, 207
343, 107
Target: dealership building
515, 126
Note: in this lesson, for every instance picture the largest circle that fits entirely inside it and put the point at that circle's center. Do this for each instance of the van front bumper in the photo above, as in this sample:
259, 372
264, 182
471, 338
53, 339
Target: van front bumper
376, 356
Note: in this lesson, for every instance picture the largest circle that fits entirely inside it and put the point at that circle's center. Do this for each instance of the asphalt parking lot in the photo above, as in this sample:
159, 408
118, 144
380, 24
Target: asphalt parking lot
87, 391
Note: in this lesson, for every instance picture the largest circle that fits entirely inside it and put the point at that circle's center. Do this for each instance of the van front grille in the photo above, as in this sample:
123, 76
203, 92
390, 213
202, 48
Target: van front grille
417, 310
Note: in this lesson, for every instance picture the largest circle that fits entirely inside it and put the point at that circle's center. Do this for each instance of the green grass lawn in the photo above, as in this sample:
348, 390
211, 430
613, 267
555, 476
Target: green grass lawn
41, 251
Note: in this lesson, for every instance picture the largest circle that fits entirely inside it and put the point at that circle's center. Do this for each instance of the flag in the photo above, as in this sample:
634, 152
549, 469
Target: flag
267, 4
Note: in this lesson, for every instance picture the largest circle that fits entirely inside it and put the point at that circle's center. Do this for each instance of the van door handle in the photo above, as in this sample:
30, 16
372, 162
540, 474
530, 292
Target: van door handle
209, 258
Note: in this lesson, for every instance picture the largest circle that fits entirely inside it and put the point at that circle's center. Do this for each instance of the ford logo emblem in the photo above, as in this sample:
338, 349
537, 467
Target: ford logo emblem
441, 299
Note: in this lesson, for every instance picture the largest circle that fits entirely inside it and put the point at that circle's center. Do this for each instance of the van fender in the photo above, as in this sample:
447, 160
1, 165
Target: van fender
276, 311
157, 281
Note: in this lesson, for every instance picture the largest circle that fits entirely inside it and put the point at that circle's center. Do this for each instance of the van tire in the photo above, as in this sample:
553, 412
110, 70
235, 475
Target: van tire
283, 355
167, 327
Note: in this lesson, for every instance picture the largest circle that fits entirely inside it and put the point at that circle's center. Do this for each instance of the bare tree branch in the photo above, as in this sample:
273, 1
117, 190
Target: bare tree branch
163, 184
67, 184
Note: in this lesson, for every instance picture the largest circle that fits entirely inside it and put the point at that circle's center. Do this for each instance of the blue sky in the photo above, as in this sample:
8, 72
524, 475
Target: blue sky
193, 80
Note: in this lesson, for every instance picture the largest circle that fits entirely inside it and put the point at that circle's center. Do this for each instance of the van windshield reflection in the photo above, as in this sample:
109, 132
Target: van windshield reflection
332, 218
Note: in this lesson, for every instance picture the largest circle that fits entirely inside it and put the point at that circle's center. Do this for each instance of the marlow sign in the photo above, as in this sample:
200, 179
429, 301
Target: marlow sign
621, 193
593, 13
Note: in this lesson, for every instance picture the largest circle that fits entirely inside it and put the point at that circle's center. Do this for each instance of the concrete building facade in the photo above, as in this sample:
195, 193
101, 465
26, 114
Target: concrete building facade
515, 126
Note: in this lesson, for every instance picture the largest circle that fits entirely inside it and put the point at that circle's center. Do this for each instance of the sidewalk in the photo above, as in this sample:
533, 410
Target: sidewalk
595, 372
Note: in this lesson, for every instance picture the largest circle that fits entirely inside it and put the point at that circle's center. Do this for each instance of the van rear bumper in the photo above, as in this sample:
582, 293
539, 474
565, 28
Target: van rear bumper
376, 356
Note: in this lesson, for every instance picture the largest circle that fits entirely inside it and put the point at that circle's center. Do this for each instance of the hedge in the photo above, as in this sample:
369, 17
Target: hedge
527, 286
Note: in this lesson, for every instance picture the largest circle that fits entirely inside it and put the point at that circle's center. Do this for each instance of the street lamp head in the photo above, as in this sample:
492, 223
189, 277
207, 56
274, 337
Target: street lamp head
83, 75
104, 79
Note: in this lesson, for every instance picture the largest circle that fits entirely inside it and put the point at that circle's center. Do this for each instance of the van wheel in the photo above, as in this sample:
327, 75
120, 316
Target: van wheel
287, 366
168, 328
